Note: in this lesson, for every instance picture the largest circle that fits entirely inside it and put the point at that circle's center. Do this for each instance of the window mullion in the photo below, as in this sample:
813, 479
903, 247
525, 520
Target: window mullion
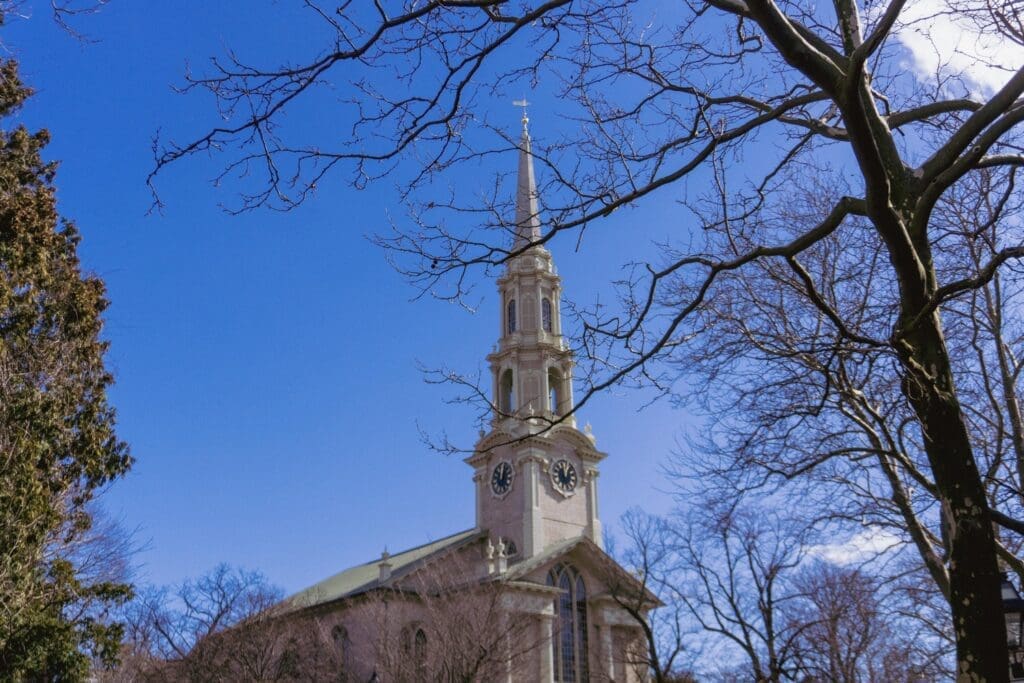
575, 635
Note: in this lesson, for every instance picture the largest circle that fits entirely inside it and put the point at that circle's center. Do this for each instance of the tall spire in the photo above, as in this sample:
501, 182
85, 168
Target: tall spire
535, 473
527, 218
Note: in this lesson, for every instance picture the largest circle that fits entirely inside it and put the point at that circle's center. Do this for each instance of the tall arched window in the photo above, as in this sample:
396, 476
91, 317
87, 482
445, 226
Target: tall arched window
510, 323
414, 647
545, 315
569, 642
344, 645
506, 393
419, 654
580, 597
288, 664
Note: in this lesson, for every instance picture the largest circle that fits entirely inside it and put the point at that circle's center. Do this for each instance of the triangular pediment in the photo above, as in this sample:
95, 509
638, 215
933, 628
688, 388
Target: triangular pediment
581, 552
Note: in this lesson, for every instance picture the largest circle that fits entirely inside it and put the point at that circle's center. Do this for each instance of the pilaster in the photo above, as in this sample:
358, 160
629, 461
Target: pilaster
531, 461
480, 481
594, 530
607, 652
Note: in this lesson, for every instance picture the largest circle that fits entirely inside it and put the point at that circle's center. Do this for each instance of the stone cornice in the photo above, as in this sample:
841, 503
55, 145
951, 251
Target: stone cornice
531, 587
516, 345
517, 433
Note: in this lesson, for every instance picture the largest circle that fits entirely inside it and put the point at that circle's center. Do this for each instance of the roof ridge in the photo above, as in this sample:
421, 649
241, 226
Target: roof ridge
392, 556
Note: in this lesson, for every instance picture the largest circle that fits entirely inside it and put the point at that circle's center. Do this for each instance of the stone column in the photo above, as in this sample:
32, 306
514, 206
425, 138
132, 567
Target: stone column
496, 385
517, 383
556, 309
568, 400
519, 308
547, 660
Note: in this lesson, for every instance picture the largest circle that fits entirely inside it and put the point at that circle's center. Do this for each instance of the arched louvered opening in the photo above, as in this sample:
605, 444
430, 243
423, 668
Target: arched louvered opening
546, 321
555, 392
569, 642
510, 317
506, 393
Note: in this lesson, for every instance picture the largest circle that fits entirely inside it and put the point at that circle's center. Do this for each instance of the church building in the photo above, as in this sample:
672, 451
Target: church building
527, 593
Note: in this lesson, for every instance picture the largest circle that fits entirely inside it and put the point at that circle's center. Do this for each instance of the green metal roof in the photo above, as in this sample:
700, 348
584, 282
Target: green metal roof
364, 577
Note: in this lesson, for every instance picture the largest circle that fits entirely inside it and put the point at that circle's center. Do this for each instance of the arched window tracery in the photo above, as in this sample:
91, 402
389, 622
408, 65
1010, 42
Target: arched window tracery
419, 653
569, 640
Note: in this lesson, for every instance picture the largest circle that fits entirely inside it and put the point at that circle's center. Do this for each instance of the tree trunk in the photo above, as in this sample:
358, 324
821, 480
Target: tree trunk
975, 597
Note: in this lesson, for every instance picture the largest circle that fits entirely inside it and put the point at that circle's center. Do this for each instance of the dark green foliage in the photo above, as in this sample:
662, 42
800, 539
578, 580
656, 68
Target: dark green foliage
57, 438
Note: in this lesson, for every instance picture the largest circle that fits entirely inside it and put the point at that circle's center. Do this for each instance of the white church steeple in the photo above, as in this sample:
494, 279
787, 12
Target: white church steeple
535, 473
532, 366
527, 213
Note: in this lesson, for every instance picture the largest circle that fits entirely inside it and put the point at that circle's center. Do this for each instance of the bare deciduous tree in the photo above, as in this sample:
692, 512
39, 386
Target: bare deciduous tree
444, 622
741, 588
441, 623
752, 602
671, 638
770, 98
228, 624
851, 634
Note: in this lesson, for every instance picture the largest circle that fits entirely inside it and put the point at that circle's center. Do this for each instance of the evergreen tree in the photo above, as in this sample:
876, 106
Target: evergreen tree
58, 443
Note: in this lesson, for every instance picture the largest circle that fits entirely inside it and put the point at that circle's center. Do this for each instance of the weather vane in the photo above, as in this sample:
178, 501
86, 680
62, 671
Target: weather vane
524, 104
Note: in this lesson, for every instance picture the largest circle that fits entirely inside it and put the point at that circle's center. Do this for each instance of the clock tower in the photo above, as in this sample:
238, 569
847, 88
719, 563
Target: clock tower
560, 614
535, 473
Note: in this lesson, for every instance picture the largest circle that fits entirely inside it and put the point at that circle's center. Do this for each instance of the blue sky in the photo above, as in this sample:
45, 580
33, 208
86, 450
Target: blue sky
266, 363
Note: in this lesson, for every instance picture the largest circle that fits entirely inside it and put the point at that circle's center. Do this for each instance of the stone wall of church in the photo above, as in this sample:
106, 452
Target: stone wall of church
563, 516
378, 629
352, 629
503, 516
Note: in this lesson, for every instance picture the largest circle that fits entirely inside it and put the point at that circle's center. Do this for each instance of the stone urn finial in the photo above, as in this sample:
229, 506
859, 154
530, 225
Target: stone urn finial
384, 566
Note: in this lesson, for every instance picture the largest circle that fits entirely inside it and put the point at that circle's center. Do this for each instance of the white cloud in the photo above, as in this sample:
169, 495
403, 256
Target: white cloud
942, 42
861, 546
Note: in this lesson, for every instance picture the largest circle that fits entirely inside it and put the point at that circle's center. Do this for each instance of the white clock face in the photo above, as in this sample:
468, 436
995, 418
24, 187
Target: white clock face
501, 478
563, 476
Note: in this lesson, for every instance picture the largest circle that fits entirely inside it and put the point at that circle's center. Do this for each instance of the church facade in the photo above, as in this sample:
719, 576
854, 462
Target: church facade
528, 593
